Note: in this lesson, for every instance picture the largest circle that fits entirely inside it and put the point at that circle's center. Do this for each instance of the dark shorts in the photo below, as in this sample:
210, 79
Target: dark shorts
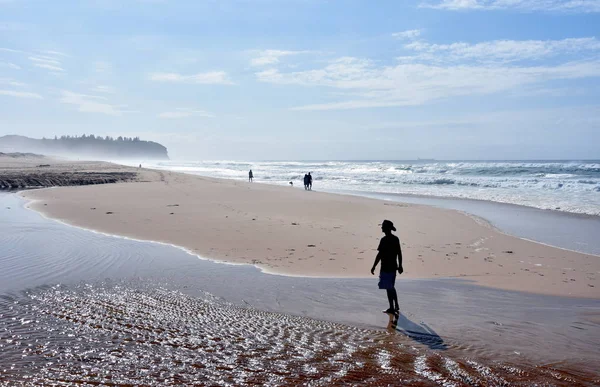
387, 280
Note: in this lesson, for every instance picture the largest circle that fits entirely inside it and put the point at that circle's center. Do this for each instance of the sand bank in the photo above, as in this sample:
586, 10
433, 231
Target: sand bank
290, 231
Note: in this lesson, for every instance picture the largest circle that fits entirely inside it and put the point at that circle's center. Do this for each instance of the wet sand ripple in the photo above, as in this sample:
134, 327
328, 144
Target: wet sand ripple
115, 334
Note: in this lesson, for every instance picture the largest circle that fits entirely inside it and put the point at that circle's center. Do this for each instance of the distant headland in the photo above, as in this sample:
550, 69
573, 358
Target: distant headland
90, 147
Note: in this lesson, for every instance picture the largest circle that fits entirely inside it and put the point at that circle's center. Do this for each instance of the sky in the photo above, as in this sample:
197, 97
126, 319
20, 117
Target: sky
309, 79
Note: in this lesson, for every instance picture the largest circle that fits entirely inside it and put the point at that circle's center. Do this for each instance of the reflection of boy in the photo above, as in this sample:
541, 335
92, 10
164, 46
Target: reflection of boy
389, 249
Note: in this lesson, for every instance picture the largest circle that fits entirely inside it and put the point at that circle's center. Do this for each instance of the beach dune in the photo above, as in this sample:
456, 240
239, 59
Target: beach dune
289, 231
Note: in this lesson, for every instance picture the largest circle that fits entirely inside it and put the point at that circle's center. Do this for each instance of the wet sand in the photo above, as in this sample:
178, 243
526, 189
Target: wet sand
293, 232
20, 171
139, 313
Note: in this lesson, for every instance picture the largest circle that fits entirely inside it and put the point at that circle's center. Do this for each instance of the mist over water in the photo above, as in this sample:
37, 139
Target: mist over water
571, 186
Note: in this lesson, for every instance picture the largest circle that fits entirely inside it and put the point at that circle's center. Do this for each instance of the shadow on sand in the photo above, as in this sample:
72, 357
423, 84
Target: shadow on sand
420, 333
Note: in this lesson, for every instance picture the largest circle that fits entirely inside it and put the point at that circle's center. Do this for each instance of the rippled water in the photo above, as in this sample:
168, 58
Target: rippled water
117, 335
131, 313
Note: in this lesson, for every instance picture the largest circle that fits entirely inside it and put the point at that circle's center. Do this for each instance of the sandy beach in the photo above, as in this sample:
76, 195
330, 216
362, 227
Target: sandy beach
290, 231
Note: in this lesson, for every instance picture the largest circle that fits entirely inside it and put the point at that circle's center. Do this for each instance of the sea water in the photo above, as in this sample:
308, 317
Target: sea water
570, 186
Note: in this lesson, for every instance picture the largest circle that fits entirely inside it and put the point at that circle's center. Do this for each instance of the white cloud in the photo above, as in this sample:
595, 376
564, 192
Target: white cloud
585, 6
368, 85
208, 78
271, 57
49, 67
186, 112
435, 71
91, 103
501, 50
10, 65
49, 61
104, 89
408, 34
53, 53
3, 49
20, 94
45, 59
11, 82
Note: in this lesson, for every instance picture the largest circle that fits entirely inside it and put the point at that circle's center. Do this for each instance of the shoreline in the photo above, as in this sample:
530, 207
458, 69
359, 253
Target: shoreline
581, 215
436, 266
495, 214
341, 175
461, 280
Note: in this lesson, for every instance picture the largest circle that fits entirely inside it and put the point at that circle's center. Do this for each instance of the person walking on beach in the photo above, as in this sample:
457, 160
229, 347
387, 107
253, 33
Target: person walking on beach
309, 181
389, 250
305, 181
250, 176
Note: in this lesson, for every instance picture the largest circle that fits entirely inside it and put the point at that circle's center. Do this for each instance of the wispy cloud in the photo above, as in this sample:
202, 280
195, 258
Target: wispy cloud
11, 82
20, 94
208, 78
271, 57
186, 112
49, 61
435, 72
584, 6
91, 103
10, 65
501, 50
104, 89
49, 67
11, 50
408, 34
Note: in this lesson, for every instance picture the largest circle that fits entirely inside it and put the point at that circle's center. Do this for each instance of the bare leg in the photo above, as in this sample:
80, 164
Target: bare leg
395, 297
390, 296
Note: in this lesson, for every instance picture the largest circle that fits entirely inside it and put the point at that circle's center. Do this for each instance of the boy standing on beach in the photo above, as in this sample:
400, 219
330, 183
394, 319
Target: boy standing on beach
389, 249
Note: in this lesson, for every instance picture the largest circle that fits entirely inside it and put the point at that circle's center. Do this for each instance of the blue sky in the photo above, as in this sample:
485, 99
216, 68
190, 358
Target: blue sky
309, 79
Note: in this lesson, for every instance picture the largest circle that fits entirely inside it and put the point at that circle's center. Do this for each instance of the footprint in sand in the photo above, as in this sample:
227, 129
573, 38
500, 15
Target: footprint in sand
109, 212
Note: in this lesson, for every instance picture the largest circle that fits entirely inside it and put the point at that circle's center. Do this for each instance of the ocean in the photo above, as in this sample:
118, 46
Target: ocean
570, 186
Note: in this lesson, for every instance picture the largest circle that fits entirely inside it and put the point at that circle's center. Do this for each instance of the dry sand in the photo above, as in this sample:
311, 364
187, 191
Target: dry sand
294, 232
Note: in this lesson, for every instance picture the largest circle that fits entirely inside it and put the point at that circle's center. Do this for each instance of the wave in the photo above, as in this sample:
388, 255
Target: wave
572, 186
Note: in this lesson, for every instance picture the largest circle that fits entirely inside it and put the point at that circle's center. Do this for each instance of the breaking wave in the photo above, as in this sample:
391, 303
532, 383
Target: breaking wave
570, 186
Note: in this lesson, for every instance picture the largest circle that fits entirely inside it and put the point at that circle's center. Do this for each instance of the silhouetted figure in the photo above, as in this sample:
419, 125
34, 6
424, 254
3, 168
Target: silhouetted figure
309, 181
305, 181
389, 250
250, 176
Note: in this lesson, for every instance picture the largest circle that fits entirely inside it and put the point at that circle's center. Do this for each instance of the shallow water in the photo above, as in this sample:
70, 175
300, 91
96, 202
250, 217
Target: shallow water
561, 229
145, 313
